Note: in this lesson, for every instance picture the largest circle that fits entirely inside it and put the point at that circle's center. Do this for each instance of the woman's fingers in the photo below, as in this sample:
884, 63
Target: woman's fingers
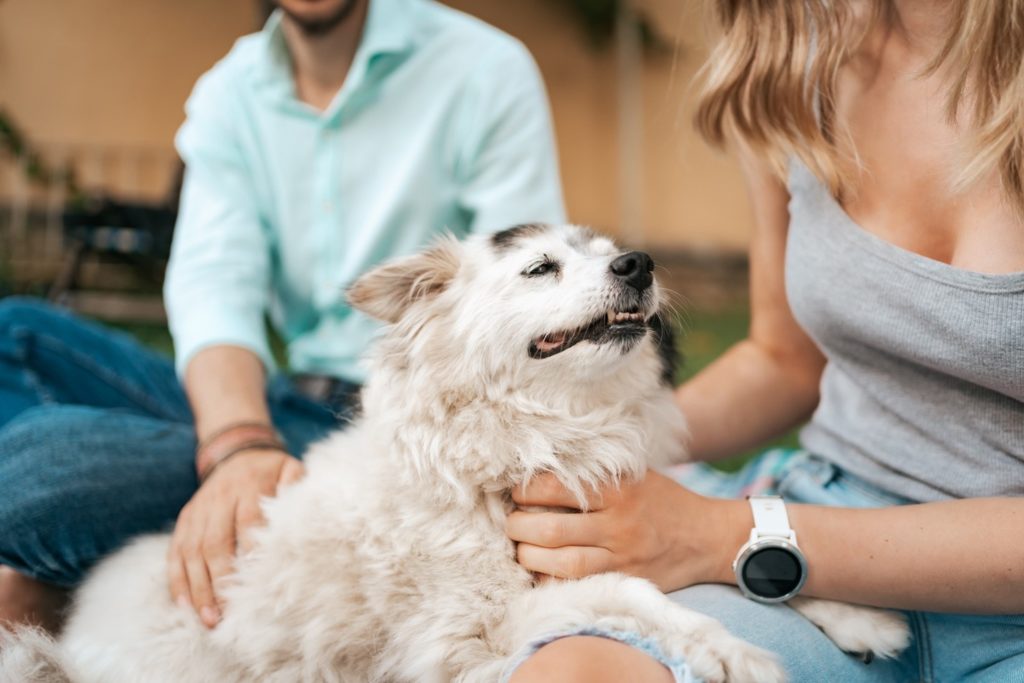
571, 562
554, 529
545, 490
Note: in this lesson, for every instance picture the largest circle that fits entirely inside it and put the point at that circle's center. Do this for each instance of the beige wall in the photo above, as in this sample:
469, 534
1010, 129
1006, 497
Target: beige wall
115, 74
110, 72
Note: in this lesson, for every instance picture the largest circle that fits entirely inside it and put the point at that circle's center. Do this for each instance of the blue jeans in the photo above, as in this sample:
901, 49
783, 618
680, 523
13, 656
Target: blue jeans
97, 442
946, 648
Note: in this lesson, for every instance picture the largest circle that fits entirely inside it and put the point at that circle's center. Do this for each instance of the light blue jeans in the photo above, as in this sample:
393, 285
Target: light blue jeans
946, 648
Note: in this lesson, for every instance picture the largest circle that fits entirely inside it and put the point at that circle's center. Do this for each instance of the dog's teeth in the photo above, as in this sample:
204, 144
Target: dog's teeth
616, 317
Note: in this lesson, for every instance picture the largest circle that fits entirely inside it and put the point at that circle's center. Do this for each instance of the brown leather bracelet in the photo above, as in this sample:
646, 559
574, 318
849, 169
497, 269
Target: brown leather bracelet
231, 439
248, 446
227, 429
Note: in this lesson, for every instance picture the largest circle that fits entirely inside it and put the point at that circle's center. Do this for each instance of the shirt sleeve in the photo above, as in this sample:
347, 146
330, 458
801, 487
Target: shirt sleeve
510, 164
217, 285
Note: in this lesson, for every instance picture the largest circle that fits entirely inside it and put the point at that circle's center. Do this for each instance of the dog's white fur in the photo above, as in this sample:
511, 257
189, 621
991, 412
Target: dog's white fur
388, 561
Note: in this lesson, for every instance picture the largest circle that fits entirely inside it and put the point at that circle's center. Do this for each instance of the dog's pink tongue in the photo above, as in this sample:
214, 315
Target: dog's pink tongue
550, 342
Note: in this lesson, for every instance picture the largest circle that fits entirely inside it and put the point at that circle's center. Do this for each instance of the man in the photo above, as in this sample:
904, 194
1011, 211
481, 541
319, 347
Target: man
346, 132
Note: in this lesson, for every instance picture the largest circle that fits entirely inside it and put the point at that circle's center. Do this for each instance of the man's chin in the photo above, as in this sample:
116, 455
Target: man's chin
315, 20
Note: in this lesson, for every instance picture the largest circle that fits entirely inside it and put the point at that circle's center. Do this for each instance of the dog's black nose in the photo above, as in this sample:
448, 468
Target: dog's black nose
634, 269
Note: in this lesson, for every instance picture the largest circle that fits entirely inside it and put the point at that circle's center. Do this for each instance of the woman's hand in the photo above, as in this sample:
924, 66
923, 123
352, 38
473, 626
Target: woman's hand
212, 526
653, 528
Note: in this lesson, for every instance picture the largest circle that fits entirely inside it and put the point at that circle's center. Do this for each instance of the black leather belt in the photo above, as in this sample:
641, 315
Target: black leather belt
325, 389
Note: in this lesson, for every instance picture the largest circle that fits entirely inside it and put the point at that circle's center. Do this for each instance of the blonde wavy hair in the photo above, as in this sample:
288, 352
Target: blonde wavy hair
771, 80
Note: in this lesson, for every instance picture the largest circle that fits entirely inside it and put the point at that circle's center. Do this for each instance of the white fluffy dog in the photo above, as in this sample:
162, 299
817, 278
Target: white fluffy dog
535, 350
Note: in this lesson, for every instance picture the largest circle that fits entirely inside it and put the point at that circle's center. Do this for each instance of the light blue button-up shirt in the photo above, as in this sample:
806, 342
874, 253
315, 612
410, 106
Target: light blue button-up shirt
442, 124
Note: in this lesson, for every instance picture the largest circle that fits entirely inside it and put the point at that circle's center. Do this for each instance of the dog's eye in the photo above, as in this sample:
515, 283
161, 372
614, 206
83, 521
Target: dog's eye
543, 268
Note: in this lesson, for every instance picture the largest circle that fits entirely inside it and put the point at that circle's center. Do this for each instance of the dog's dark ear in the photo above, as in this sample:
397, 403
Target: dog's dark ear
388, 290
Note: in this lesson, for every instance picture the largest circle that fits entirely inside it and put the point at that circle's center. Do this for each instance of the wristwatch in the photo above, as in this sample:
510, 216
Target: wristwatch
770, 567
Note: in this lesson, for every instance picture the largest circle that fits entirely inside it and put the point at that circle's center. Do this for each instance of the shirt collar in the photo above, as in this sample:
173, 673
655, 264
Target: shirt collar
390, 29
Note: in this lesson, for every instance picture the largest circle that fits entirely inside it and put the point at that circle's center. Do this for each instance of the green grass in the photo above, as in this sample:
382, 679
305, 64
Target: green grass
155, 337
158, 338
704, 336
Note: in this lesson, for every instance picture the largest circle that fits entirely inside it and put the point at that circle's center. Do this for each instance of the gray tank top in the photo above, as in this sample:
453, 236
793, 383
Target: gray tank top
923, 392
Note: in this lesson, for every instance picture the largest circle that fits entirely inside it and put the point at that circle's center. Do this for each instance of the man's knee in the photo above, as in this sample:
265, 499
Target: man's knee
76, 481
590, 659
33, 470
39, 434
48, 474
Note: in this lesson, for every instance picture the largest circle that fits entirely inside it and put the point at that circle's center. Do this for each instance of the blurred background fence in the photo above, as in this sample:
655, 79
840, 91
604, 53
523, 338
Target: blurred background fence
63, 231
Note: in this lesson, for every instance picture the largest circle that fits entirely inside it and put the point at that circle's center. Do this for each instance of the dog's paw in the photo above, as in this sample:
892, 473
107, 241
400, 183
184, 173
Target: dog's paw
715, 655
864, 631
725, 658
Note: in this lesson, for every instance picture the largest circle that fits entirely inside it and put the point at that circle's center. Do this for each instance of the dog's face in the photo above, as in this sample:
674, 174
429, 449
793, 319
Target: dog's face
568, 297
541, 304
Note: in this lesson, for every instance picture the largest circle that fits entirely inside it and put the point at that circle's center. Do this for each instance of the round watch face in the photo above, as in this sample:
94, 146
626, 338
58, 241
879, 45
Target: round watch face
772, 572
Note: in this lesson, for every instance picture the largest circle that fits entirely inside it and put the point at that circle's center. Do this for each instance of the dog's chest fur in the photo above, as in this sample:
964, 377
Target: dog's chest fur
402, 527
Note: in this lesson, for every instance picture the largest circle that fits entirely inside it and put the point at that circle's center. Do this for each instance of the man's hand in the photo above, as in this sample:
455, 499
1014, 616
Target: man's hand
213, 525
653, 528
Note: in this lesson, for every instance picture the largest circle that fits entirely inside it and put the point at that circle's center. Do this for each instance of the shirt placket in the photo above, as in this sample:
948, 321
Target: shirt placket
327, 209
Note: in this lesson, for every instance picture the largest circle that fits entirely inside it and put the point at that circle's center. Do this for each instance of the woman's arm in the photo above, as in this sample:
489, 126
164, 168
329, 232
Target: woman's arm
961, 556
955, 556
767, 383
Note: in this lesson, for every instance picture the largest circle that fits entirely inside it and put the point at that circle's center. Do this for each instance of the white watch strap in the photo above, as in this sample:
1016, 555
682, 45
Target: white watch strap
770, 518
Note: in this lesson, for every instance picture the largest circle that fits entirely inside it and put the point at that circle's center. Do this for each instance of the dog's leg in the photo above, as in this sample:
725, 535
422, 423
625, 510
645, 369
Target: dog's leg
613, 602
865, 631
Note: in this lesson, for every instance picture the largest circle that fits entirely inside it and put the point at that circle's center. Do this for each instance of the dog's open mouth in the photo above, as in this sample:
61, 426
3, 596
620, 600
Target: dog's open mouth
614, 325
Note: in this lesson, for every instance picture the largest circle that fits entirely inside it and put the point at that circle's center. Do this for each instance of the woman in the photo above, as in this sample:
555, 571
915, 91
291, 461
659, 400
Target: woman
883, 145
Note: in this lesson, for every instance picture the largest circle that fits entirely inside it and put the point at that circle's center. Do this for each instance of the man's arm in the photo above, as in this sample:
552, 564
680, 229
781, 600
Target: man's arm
507, 166
216, 290
225, 386
218, 275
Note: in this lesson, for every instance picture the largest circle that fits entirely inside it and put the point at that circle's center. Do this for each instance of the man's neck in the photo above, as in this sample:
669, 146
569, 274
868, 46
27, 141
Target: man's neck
320, 63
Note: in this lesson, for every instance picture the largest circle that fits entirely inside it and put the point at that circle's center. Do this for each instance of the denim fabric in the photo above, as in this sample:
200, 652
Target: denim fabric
97, 442
946, 648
